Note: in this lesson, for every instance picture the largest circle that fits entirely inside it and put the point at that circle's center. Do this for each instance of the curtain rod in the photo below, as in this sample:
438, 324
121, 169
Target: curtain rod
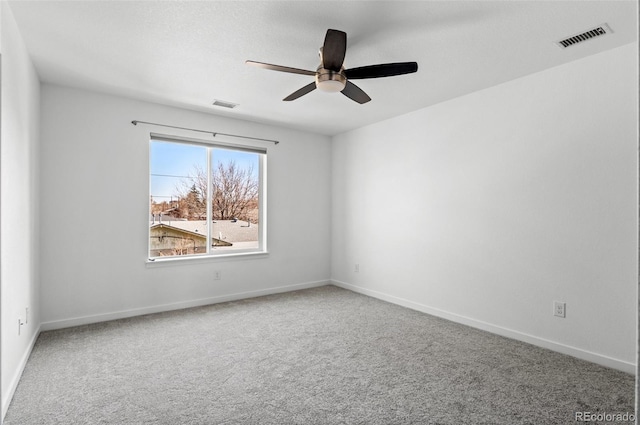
213, 133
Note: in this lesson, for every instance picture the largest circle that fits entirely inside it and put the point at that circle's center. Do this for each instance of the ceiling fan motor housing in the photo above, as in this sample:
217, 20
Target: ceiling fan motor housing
330, 81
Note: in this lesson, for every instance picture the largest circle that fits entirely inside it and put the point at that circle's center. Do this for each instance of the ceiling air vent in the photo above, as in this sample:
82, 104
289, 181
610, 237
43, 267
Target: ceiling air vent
224, 104
587, 35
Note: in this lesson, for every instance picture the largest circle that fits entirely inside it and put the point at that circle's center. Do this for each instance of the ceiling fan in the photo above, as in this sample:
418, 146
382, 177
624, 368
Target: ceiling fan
331, 75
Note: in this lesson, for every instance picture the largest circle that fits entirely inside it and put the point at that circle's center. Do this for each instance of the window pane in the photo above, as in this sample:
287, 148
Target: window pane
178, 204
235, 206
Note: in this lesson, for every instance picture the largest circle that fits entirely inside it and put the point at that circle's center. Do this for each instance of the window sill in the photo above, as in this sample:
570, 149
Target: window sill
178, 260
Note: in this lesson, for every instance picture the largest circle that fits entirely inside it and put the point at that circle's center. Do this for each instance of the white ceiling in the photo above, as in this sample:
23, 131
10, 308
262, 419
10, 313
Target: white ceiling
188, 53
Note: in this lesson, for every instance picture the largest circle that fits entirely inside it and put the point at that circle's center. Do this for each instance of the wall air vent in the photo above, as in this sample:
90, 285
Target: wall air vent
224, 104
587, 35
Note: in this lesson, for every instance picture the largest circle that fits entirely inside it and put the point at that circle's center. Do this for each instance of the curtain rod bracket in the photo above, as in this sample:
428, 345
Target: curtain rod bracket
214, 134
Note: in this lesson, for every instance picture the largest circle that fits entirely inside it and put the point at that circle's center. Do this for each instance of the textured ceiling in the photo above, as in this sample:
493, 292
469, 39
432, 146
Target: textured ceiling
188, 53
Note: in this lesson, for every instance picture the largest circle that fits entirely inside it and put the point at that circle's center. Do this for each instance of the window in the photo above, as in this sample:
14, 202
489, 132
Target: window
205, 199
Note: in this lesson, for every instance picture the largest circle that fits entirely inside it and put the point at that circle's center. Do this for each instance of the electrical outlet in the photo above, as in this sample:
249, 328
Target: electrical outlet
217, 275
20, 325
356, 268
559, 309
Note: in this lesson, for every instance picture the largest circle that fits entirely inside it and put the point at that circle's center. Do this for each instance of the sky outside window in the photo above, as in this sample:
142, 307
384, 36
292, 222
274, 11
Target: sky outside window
181, 161
172, 164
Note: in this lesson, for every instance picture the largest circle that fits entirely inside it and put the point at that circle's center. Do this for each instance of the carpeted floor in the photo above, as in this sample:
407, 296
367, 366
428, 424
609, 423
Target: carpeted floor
318, 356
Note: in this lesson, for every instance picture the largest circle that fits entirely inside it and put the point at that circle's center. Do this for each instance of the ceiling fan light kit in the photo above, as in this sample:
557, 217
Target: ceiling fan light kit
332, 77
330, 81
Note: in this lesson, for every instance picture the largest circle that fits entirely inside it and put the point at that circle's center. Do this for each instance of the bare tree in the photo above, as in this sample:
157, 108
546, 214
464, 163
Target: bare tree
235, 193
192, 195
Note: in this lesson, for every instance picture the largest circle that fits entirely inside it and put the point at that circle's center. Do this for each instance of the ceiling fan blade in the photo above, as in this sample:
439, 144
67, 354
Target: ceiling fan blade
280, 68
381, 70
355, 93
334, 50
301, 92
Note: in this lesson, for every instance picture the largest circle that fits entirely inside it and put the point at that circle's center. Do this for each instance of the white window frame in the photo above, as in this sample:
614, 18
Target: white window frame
262, 200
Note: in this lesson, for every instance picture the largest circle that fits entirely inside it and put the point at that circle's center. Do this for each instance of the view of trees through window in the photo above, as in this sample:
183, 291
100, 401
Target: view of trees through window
203, 200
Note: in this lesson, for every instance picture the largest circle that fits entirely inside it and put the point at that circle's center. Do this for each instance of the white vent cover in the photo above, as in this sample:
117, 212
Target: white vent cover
584, 36
224, 104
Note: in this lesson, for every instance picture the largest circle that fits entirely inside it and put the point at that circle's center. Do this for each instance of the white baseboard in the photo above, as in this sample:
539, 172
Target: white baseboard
509, 333
85, 320
15, 379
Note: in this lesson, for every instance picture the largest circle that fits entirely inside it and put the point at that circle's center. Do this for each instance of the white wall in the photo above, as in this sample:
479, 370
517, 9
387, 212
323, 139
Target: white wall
18, 203
94, 210
487, 208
